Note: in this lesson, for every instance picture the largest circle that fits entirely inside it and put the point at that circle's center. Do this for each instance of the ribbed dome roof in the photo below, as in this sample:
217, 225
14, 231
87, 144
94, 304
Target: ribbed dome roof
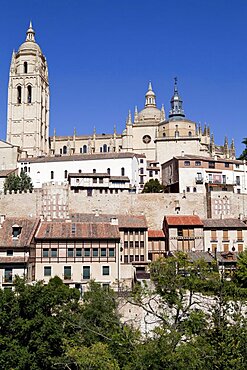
149, 113
29, 46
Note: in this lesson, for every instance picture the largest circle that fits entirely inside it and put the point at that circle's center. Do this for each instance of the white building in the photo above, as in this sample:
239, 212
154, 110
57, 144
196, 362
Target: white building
56, 168
190, 173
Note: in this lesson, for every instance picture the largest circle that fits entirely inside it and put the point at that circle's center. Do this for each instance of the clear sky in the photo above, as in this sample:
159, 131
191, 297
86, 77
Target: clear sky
102, 53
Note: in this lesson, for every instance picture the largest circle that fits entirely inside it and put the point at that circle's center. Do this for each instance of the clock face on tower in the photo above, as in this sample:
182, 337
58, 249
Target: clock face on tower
146, 139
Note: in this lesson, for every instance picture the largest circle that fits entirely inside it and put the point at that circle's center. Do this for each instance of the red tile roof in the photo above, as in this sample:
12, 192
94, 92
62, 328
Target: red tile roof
188, 220
156, 234
28, 228
124, 221
76, 230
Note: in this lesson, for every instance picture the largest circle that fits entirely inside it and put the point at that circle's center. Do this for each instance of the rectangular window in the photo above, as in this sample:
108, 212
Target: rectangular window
105, 270
227, 164
187, 163
67, 272
103, 252
70, 252
224, 179
198, 163
141, 171
239, 235
131, 258
126, 259
54, 252
101, 180
213, 235
136, 257
8, 275
125, 244
95, 252
45, 252
89, 192
47, 271
86, 272
87, 252
142, 257
142, 244
131, 244
150, 173
237, 180
111, 252
95, 180
78, 252
237, 165
136, 244
211, 164
225, 234
9, 252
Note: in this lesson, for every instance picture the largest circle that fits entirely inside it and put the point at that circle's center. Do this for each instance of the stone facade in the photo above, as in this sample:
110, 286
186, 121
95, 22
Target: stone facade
28, 99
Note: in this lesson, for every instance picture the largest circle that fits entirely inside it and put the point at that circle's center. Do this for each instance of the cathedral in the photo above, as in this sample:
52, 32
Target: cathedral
149, 132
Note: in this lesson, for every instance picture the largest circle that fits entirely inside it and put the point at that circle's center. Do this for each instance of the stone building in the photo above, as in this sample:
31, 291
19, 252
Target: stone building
28, 99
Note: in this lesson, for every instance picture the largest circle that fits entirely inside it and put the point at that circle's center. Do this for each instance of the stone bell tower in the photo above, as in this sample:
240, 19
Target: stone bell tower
28, 99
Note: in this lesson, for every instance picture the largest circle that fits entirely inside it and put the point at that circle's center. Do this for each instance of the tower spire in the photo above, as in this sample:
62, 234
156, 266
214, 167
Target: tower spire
150, 97
30, 33
176, 103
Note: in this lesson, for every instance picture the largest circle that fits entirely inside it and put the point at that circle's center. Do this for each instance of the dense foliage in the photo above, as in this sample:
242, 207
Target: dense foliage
14, 183
153, 186
243, 155
198, 319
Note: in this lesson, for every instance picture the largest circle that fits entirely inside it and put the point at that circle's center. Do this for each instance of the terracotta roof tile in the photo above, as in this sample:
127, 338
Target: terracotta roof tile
124, 221
156, 234
188, 220
28, 228
76, 230
224, 223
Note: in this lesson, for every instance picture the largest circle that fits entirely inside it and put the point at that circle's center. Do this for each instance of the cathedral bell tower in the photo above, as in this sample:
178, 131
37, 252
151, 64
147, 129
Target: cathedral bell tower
28, 99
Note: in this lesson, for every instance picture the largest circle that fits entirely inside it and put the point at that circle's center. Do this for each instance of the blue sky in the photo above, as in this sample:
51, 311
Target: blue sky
101, 55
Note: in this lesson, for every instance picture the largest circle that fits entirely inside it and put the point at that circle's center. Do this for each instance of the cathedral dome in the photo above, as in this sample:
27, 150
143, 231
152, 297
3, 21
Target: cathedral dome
149, 113
30, 45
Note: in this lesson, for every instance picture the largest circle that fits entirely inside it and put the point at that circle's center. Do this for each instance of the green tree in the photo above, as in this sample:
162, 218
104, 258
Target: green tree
241, 271
153, 186
243, 155
14, 183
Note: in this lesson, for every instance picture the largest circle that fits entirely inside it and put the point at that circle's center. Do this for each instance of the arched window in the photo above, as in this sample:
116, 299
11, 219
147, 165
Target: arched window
29, 94
64, 149
108, 171
176, 133
100, 149
65, 174
104, 148
84, 149
25, 67
94, 170
122, 171
52, 175
190, 133
79, 171
19, 94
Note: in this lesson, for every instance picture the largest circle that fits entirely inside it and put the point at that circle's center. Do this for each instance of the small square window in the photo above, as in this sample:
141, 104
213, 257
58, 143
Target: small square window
45, 252
141, 160
87, 252
86, 272
9, 252
78, 252
187, 163
105, 270
198, 163
70, 252
103, 252
47, 271
95, 180
227, 164
54, 252
67, 272
111, 252
95, 252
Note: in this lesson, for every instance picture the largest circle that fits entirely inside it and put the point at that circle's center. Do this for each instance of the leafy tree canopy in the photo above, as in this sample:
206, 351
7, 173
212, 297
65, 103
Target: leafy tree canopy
153, 186
14, 183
